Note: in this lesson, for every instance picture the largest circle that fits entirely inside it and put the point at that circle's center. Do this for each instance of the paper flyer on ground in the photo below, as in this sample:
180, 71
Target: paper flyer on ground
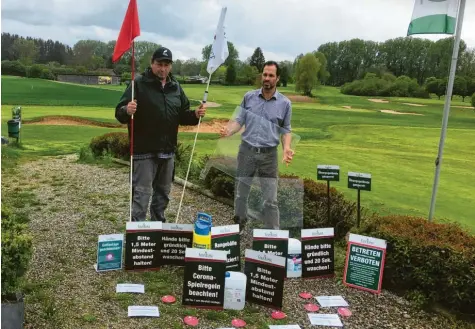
146, 311
331, 301
329, 320
129, 287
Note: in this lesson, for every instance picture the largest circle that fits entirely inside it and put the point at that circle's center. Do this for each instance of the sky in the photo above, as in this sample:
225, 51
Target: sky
282, 28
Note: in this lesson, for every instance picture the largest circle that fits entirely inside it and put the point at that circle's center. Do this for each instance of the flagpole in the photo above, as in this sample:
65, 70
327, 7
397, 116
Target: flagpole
205, 98
448, 97
132, 130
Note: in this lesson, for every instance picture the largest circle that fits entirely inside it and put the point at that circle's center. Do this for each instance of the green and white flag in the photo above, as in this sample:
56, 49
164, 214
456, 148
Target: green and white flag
434, 17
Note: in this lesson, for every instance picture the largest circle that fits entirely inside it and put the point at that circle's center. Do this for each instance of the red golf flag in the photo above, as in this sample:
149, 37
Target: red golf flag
129, 30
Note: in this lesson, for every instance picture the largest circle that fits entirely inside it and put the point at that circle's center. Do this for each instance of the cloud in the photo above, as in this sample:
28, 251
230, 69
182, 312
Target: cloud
282, 28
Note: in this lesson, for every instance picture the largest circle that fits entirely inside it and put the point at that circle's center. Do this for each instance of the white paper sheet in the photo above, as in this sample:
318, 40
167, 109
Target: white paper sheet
329, 320
130, 287
331, 301
144, 311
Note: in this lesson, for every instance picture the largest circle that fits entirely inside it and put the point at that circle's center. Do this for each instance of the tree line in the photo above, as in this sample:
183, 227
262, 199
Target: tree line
422, 61
415, 58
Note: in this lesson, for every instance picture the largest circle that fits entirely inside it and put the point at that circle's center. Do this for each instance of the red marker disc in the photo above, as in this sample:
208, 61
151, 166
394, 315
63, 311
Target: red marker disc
238, 323
311, 307
191, 321
343, 311
168, 299
305, 295
278, 315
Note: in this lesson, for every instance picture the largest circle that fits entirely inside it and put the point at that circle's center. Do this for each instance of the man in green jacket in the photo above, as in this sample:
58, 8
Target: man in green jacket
160, 106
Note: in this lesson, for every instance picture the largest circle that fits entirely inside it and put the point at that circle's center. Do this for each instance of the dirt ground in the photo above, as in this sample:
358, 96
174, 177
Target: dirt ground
212, 126
300, 98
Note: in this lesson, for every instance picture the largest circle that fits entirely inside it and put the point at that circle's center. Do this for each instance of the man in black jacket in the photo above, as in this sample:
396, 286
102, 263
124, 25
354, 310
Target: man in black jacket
160, 106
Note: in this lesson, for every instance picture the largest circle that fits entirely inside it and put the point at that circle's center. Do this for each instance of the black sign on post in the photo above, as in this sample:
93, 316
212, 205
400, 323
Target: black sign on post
142, 248
265, 278
203, 285
274, 242
359, 181
328, 173
175, 239
227, 238
318, 252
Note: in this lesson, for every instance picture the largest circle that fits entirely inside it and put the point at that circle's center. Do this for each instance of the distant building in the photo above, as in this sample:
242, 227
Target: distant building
90, 79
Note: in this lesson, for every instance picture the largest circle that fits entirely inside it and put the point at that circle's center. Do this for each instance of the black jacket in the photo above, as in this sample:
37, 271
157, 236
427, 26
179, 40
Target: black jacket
159, 112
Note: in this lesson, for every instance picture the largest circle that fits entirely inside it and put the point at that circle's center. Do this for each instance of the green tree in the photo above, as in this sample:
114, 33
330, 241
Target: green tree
25, 51
284, 75
306, 74
435, 86
460, 87
248, 74
231, 74
257, 59
323, 74
471, 86
473, 100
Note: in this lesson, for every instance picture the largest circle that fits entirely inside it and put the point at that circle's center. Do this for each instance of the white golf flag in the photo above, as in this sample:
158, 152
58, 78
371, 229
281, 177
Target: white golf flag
219, 49
434, 17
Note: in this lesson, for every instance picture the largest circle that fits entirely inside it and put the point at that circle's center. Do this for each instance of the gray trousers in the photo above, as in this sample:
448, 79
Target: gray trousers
151, 178
265, 165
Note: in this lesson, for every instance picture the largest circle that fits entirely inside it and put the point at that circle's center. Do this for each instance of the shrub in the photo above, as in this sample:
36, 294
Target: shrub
473, 100
295, 201
35, 71
387, 85
315, 210
46, 73
218, 175
115, 143
13, 68
16, 251
434, 261
182, 161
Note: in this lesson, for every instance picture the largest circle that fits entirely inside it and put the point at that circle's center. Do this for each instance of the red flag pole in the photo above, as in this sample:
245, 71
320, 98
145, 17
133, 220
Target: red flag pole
132, 129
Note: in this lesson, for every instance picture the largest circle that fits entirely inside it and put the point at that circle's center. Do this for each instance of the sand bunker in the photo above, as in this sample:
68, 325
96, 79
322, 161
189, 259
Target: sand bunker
347, 107
301, 98
213, 126
412, 104
395, 112
70, 121
212, 104
377, 100
464, 107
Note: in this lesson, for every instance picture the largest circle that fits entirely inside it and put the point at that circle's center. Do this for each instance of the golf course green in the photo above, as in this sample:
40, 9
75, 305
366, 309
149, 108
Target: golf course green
395, 139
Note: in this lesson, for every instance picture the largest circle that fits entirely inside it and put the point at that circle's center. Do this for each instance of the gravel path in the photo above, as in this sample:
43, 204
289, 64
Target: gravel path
78, 202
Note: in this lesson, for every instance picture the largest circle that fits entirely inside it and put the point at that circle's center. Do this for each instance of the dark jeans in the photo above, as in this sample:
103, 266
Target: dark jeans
264, 165
151, 178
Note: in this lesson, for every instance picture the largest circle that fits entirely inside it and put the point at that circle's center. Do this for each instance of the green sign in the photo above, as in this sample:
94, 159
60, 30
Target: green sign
328, 173
359, 181
109, 252
365, 263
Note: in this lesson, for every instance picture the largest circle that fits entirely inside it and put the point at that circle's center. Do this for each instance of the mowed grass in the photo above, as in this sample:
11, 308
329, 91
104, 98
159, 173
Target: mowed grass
398, 150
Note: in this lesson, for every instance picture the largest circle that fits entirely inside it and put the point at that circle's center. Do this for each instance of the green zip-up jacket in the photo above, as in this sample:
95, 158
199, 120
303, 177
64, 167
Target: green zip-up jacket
160, 110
